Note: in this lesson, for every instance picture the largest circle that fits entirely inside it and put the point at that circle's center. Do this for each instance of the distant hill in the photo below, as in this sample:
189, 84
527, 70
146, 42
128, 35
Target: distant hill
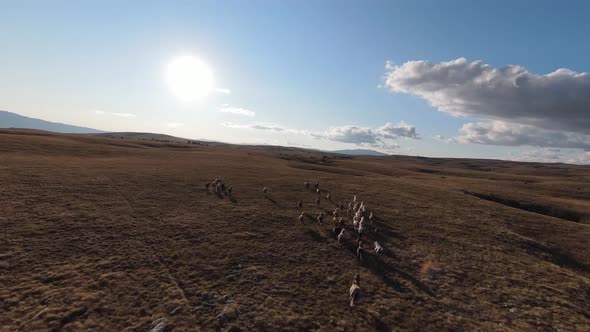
139, 135
155, 137
360, 152
13, 120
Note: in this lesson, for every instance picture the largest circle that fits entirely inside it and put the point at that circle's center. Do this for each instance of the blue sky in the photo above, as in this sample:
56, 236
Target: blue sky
314, 69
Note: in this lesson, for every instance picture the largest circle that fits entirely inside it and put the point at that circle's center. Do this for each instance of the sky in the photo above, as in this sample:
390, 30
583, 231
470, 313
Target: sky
477, 79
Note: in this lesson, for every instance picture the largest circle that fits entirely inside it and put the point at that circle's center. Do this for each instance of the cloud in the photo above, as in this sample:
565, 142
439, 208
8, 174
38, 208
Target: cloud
175, 125
355, 135
544, 155
348, 134
556, 101
581, 158
257, 126
265, 127
511, 134
552, 155
235, 125
442, 138
379, 137
367, 136
236, 110
402, 129
224, 91
124, 115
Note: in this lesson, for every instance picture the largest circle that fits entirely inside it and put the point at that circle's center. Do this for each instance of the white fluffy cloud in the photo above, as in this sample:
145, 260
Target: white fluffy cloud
520, 108
236, 110
510, 134
559, 100
402, 129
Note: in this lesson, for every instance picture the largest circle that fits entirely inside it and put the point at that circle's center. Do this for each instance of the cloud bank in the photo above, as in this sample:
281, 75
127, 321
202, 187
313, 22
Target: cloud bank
379, 137
376, 137
559, 100
503, 133
552, 155
517, 107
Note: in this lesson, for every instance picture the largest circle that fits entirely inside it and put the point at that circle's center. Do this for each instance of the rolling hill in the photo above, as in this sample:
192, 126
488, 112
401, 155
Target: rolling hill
112, 234
360, 152
13, 120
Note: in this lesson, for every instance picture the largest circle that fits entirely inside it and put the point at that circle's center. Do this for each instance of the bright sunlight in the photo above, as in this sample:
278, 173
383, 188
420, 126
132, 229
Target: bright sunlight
189, 77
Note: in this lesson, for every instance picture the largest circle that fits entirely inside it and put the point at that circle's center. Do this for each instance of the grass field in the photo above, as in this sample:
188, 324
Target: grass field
108, 234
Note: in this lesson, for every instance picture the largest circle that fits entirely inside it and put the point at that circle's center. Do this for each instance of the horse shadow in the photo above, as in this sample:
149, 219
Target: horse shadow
270, 199
379, 267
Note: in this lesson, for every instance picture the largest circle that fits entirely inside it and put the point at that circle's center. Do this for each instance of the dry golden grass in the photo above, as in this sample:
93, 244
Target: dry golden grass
110, 234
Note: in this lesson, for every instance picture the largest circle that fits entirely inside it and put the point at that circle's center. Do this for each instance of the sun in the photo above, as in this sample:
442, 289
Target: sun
189, 77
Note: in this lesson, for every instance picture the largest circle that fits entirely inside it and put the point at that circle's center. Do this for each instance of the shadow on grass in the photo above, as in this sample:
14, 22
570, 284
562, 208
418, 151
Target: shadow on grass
379, 267
380, 325
413, 280
221, 195
270, 199
554, 255
316, 236
387, 232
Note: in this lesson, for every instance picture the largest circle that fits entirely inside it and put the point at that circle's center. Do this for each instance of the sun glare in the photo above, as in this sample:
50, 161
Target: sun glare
189, 78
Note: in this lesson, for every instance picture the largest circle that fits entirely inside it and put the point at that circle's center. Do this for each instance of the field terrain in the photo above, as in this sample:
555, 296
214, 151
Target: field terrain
120, 234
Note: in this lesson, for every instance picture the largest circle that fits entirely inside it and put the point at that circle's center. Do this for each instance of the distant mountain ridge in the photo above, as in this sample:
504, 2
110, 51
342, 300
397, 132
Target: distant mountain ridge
144, 136
13, 120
